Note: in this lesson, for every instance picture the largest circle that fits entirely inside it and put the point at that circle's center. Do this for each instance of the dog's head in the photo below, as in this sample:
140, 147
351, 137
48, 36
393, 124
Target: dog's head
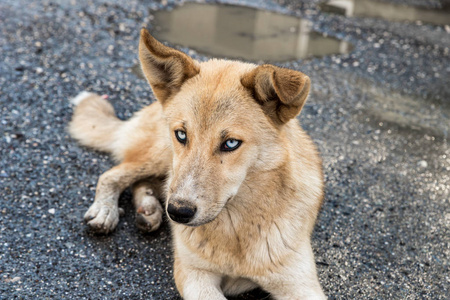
225, 119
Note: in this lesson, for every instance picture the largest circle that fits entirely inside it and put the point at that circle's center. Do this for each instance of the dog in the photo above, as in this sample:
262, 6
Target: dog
242, 183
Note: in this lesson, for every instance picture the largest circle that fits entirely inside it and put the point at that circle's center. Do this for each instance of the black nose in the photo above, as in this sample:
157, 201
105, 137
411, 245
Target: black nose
181, 211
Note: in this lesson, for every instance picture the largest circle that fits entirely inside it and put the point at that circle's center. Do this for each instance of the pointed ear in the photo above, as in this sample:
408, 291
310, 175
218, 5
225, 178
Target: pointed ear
165, 68
281, 92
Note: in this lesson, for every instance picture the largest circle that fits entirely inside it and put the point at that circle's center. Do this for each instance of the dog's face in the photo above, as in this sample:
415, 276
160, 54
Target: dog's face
225, 119
216, 129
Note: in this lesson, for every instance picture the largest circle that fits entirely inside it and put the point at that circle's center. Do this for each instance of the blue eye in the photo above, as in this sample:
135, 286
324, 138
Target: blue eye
230, 145
181, 136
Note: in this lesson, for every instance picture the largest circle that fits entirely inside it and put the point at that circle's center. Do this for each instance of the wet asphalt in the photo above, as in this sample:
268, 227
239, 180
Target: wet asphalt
380, 116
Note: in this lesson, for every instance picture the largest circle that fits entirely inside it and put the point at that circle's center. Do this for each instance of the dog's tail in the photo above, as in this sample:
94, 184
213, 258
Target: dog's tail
94, 123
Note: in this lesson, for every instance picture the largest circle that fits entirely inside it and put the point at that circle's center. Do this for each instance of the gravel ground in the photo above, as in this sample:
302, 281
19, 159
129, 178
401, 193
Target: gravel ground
380, 115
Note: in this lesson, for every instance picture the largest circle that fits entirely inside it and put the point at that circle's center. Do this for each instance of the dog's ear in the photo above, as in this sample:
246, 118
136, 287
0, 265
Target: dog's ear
281, 92
165, 68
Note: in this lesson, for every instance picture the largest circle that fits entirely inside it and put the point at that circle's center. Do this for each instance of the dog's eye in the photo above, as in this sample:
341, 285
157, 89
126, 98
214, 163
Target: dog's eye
230, 145
181, 136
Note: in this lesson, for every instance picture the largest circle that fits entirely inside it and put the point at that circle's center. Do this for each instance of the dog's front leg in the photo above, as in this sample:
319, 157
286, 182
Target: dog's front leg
196, 284
296, 280
103, 215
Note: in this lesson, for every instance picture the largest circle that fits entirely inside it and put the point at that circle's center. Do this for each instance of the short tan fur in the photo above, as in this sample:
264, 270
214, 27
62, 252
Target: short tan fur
223, 150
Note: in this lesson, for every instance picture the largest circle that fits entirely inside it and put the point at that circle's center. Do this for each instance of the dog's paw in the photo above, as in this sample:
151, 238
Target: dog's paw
102, 218
149, 214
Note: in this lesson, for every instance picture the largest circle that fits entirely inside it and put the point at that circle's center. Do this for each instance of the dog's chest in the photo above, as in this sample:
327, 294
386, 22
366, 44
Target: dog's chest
244, 250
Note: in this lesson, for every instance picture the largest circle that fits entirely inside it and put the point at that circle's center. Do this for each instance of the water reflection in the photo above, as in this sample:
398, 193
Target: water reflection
388, 11
243, 32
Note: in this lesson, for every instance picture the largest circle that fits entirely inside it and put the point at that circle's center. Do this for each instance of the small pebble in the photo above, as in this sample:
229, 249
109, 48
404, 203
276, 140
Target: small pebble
422, 164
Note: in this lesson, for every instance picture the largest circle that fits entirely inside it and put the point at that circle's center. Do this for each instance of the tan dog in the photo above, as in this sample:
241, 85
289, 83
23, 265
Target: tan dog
243, 180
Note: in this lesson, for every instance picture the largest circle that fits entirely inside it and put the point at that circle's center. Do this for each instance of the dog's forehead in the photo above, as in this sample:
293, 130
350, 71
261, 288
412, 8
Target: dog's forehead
222, 102
216, 95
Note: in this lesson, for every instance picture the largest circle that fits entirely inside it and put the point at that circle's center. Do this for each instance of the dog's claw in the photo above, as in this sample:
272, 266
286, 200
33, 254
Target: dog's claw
149, 218
143, 224
88, 218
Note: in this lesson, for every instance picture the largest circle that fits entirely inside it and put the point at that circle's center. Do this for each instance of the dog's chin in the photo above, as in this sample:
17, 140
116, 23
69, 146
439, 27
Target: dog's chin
202, 220
197, 223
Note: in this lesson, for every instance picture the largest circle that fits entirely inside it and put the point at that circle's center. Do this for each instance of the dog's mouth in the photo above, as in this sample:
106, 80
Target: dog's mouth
196, 220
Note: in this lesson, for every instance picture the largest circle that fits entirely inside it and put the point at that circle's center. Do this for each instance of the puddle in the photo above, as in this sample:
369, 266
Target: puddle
243, 33
387, 11
407, 112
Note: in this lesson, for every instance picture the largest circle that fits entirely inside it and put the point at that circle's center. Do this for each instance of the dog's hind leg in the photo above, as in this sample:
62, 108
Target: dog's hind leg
149, 211
103, 215
140, 143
